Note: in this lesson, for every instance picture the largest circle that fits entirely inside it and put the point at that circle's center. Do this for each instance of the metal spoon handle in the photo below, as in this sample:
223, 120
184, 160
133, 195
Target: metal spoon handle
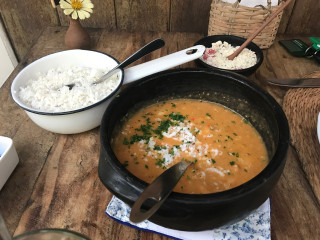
158, 191
107, 75
148, 48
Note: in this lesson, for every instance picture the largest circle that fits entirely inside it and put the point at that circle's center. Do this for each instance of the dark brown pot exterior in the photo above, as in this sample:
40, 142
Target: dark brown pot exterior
76, 36
195, 212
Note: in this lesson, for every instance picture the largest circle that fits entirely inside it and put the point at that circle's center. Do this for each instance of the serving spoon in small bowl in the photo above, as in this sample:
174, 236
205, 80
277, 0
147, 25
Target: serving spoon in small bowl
158, 191
145, 50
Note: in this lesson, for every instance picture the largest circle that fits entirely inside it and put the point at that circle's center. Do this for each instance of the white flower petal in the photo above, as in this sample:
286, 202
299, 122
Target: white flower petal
74, 15
64, 4
68, 11
86, 1
87, 15
87, 10
81, 15
87, 5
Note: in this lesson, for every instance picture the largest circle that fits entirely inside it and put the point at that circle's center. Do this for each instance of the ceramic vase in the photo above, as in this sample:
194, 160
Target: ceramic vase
76, 36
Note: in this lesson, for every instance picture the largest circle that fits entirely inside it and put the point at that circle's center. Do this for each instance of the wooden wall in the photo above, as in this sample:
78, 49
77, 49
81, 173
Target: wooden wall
24, 20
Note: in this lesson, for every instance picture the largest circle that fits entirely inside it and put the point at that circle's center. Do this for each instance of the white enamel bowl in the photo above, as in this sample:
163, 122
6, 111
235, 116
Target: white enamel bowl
87, 118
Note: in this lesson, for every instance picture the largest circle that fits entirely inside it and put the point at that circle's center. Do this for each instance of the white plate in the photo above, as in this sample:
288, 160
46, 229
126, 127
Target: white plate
318, 127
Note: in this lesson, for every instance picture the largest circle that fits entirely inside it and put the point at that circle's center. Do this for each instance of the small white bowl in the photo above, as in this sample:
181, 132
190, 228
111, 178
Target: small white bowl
8, 159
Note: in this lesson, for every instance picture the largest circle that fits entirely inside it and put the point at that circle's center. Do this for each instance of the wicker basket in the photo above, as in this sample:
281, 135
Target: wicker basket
234, 19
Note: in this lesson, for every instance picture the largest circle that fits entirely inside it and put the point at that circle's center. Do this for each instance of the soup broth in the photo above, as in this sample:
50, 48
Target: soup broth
225, 149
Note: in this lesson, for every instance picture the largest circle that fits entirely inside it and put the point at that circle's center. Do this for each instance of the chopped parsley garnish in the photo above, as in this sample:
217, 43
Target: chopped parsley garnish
145, 129
232, 163
163, 127
125, 141
125, 164
177, 117
138, 138
171, 152
160, 162
173, 105
208, 114
213, 161
146, 166
158, 148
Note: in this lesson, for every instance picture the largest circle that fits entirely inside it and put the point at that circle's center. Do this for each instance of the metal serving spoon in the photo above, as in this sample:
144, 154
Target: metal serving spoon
158, 191
145, 50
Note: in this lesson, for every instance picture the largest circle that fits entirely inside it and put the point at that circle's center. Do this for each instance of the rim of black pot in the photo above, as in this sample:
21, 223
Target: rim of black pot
207, 41
277, 161
29, 109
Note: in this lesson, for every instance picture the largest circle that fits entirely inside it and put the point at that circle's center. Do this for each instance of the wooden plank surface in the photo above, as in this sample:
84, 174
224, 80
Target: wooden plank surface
287, 12
190, 16
305, 18
24, 20
295, 209
143, 15
56, 182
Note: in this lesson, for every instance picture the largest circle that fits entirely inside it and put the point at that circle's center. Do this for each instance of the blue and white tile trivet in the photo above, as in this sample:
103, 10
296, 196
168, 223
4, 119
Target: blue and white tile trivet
255, 226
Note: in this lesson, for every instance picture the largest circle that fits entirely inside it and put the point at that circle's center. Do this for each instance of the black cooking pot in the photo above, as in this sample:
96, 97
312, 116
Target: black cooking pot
195, 212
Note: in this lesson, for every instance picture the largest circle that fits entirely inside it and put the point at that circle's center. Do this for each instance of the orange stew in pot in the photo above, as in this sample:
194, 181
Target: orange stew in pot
225, 149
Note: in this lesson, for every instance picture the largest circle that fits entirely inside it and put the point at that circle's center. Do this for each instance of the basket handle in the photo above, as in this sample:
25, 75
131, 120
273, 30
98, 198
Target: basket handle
236, 4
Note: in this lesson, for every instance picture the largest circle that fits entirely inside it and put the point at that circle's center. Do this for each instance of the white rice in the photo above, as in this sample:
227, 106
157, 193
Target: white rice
218, 54
48, 91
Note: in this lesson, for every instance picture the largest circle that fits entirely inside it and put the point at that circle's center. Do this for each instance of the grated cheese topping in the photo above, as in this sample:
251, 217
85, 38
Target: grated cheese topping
217, 56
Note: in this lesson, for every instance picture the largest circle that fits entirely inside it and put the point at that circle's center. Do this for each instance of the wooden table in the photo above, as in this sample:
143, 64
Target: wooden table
56, 182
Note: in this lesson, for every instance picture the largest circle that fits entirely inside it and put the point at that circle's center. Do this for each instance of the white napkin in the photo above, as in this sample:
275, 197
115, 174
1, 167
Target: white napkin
253, 3
254, 227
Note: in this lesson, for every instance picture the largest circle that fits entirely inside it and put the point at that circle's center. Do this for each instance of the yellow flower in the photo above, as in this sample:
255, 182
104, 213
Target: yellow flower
77, 8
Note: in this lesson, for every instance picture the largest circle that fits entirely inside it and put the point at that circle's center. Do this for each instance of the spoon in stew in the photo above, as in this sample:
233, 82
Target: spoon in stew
145, 50
158, 191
